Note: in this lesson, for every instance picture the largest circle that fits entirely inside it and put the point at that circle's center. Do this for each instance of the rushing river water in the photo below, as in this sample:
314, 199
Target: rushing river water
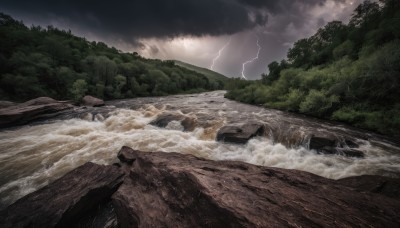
32, 156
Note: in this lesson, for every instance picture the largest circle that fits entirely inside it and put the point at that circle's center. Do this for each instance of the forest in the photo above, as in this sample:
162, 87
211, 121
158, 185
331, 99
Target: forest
39, 61
344, 72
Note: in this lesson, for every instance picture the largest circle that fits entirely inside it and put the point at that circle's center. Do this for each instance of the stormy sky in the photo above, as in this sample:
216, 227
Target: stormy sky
190, 30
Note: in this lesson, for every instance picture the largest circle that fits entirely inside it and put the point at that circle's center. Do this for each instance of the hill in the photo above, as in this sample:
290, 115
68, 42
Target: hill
39, 61
208, 73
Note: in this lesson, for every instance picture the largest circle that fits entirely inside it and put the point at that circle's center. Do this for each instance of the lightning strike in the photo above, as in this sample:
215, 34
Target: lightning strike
251, 60
219, 54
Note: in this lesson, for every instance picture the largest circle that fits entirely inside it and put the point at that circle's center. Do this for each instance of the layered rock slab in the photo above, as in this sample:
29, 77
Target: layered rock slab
65, 201
42, 107
175, 190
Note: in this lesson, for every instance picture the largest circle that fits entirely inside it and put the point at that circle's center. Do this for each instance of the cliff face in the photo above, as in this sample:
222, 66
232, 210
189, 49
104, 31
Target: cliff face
175, 190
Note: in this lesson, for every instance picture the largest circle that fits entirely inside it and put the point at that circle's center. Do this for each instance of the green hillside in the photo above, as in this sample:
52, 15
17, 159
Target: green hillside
37, 61
208, 73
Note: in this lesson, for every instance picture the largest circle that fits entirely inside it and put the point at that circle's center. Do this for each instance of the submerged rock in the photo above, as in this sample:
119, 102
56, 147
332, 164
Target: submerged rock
42, 107
240, 134
67, 200
332, 145
92, 101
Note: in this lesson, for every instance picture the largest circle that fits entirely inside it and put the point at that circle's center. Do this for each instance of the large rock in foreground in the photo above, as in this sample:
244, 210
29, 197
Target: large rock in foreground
240, 134
66, 201
175, 190
42, 107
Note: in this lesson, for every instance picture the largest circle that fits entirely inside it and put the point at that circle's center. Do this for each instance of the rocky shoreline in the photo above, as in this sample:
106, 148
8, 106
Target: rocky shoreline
174, 190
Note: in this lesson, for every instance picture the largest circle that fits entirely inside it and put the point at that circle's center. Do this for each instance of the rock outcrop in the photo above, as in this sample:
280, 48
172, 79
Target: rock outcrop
67, 200
175, 190
42, 107
92, 101
240, 134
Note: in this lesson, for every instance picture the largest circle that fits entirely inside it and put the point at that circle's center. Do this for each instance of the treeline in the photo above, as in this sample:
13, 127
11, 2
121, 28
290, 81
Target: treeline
40, 61
345, 72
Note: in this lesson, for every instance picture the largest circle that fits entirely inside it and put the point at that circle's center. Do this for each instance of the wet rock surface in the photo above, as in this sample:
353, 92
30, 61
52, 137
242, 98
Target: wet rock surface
66, 201
92, 101
240, 134
331, 145
175, 190
164, 119
375, 184
39, 108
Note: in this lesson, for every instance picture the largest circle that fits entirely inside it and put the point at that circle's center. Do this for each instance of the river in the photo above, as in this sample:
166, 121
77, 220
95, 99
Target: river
34, 155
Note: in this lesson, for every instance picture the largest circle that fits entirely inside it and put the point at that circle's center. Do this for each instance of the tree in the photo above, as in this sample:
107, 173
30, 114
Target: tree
119, 82
79, 88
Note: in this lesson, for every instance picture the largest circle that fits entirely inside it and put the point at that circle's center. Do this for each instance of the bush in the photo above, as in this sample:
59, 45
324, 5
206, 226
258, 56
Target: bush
318, 103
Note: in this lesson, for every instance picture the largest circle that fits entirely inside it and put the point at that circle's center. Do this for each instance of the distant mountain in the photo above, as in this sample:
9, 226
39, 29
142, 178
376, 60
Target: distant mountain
208, 73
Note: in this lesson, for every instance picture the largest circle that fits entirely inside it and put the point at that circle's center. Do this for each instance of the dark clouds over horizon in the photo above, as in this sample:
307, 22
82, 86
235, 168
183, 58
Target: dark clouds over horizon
151, 25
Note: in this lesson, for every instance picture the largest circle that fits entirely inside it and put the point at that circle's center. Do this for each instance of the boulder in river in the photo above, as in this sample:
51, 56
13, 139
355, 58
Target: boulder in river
175, 190
42, 107
164, 119
92, 101
240, 134
332, 145
67, 200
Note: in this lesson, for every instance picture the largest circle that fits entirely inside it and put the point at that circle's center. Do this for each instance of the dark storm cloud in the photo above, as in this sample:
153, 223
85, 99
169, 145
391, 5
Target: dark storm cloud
132, 19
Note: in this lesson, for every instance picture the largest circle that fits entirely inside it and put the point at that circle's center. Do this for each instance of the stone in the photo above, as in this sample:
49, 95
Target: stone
92, 101
319, 142
240, 134
6, 104
331, 145
42, 107
164, 119
176, 190
65, 201
125, 155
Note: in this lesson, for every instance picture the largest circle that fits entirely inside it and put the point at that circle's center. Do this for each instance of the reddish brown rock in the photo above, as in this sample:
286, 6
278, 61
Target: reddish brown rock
240, 134
376, 184
92, 101
164, 119
42, 107
175, 190
66, 201
332, 145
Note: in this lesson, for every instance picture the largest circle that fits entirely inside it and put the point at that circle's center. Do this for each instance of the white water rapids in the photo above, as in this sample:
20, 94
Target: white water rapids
32, 156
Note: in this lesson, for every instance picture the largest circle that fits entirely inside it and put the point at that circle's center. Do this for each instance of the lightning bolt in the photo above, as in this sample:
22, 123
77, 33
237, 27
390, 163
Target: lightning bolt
251, 60
219, 54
